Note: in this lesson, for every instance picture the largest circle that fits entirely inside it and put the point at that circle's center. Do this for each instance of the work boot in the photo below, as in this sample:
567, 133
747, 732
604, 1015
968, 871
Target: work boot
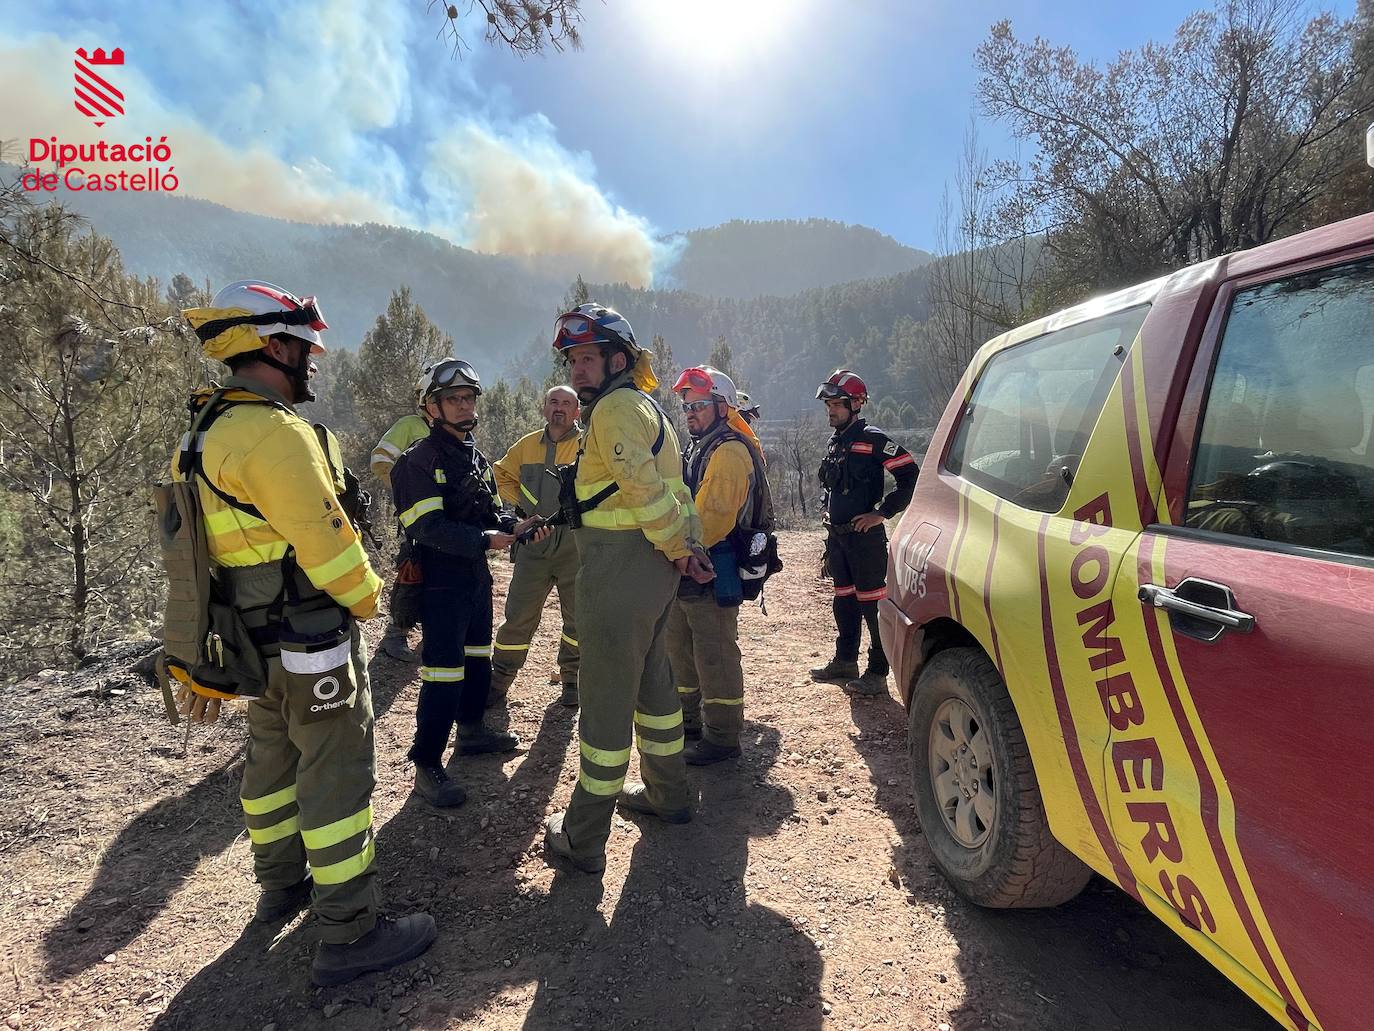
277, 903
569, 696
477, 739
389, 944
706, 752
635, 797
500, 688
691, 722
869, 684
557, 846
394, 645
433, 785
836, 670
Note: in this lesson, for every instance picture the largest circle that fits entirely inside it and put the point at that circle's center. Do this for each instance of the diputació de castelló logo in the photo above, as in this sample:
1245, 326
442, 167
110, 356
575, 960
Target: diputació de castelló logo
100, 99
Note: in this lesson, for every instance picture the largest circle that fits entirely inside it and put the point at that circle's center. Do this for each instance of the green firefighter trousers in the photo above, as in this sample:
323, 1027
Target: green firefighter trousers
703, 649
624, 589
307, 787
538, 569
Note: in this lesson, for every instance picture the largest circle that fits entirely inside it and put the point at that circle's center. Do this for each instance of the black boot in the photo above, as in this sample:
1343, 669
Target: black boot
433, 785
635, 797
569, 697
476, 739
837, 670
389, 944
705, 752
277, 903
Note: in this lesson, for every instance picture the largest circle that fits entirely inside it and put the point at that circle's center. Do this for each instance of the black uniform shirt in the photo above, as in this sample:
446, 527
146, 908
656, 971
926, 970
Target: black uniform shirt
446, 499
852, 474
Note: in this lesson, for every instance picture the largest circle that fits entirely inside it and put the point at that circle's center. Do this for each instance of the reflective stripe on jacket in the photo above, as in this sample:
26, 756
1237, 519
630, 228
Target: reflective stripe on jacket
524, 477
623, 426
266, 456
404, 432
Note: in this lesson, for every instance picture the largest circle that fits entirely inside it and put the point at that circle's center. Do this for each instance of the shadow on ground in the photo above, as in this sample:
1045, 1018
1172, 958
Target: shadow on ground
682, 948
150, 860
1098, 963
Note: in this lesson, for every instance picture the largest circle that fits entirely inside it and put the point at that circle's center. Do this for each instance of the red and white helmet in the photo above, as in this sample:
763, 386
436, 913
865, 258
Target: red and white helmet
843, 383
300, 317
708, 381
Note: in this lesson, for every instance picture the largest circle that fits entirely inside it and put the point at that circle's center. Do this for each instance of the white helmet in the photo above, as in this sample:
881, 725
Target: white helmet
709, 381
449, 372
723, 387
747, 405
301, 317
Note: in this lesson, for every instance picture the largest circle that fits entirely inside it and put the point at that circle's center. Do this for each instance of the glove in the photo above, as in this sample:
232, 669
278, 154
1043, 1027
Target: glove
196, 707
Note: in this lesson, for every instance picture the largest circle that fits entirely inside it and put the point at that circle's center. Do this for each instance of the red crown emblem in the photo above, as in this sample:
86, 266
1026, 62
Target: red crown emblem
95, 96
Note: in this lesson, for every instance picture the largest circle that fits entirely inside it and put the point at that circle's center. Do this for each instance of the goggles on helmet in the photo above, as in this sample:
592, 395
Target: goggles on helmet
829, 392
695, 379
308, 314
574, 328
456, 369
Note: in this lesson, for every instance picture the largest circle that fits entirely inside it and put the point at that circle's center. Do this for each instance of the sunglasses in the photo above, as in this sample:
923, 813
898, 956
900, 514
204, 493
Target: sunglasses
696, 406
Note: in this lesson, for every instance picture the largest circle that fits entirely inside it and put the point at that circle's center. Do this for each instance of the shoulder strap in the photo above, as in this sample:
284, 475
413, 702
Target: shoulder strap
605, 492
662, 420
189, 462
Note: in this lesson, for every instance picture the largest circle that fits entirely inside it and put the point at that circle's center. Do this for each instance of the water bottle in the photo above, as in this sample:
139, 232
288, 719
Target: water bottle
729, 590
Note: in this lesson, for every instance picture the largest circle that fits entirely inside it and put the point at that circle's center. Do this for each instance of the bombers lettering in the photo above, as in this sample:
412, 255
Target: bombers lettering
1137, 761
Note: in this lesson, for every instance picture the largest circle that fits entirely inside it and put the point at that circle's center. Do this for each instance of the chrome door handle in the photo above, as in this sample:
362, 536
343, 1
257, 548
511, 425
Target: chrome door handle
1225, 616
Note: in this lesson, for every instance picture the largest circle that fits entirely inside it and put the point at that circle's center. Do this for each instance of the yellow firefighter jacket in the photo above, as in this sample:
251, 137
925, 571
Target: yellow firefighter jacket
395, 441
267, 456
623, 427
725, 491
525, 477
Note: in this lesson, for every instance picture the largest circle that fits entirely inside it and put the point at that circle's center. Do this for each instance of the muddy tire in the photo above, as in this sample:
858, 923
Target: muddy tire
976, 794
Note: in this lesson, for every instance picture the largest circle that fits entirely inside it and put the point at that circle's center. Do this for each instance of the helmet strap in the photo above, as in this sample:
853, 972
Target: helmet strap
299, 374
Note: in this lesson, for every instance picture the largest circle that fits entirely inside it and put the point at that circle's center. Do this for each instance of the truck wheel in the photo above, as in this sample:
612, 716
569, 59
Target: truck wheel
976, 794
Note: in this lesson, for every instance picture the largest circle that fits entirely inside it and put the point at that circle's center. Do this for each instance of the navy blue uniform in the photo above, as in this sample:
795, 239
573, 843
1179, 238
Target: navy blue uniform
445, 493
852, 475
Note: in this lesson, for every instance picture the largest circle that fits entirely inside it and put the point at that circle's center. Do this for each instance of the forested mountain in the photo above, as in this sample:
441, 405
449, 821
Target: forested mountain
495, 306
746, 259
783, 347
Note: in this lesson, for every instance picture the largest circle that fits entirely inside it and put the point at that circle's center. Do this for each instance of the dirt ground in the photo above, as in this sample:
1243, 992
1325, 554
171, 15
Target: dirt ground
801, 896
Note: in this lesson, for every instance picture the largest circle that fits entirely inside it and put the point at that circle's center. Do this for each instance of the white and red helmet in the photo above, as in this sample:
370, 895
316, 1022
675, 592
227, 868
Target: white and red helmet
299, 316
843, 384
708, 381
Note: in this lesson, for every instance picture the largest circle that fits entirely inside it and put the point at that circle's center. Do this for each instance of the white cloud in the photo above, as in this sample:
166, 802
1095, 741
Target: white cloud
299, 119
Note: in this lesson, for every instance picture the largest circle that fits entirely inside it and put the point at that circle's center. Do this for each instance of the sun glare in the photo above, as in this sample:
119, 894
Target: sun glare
719, 32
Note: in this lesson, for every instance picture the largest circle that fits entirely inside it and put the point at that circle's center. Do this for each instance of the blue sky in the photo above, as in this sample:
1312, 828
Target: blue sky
677, 114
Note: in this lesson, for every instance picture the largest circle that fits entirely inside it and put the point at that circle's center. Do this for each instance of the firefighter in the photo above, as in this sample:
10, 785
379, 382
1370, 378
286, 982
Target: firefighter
288, 560
402, 433
527, 478
851, 475
637, 534
446, 497
726, 480
748, 408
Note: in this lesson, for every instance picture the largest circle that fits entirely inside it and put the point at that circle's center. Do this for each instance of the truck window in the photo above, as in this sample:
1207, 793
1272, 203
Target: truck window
1283, 455
1025, 426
